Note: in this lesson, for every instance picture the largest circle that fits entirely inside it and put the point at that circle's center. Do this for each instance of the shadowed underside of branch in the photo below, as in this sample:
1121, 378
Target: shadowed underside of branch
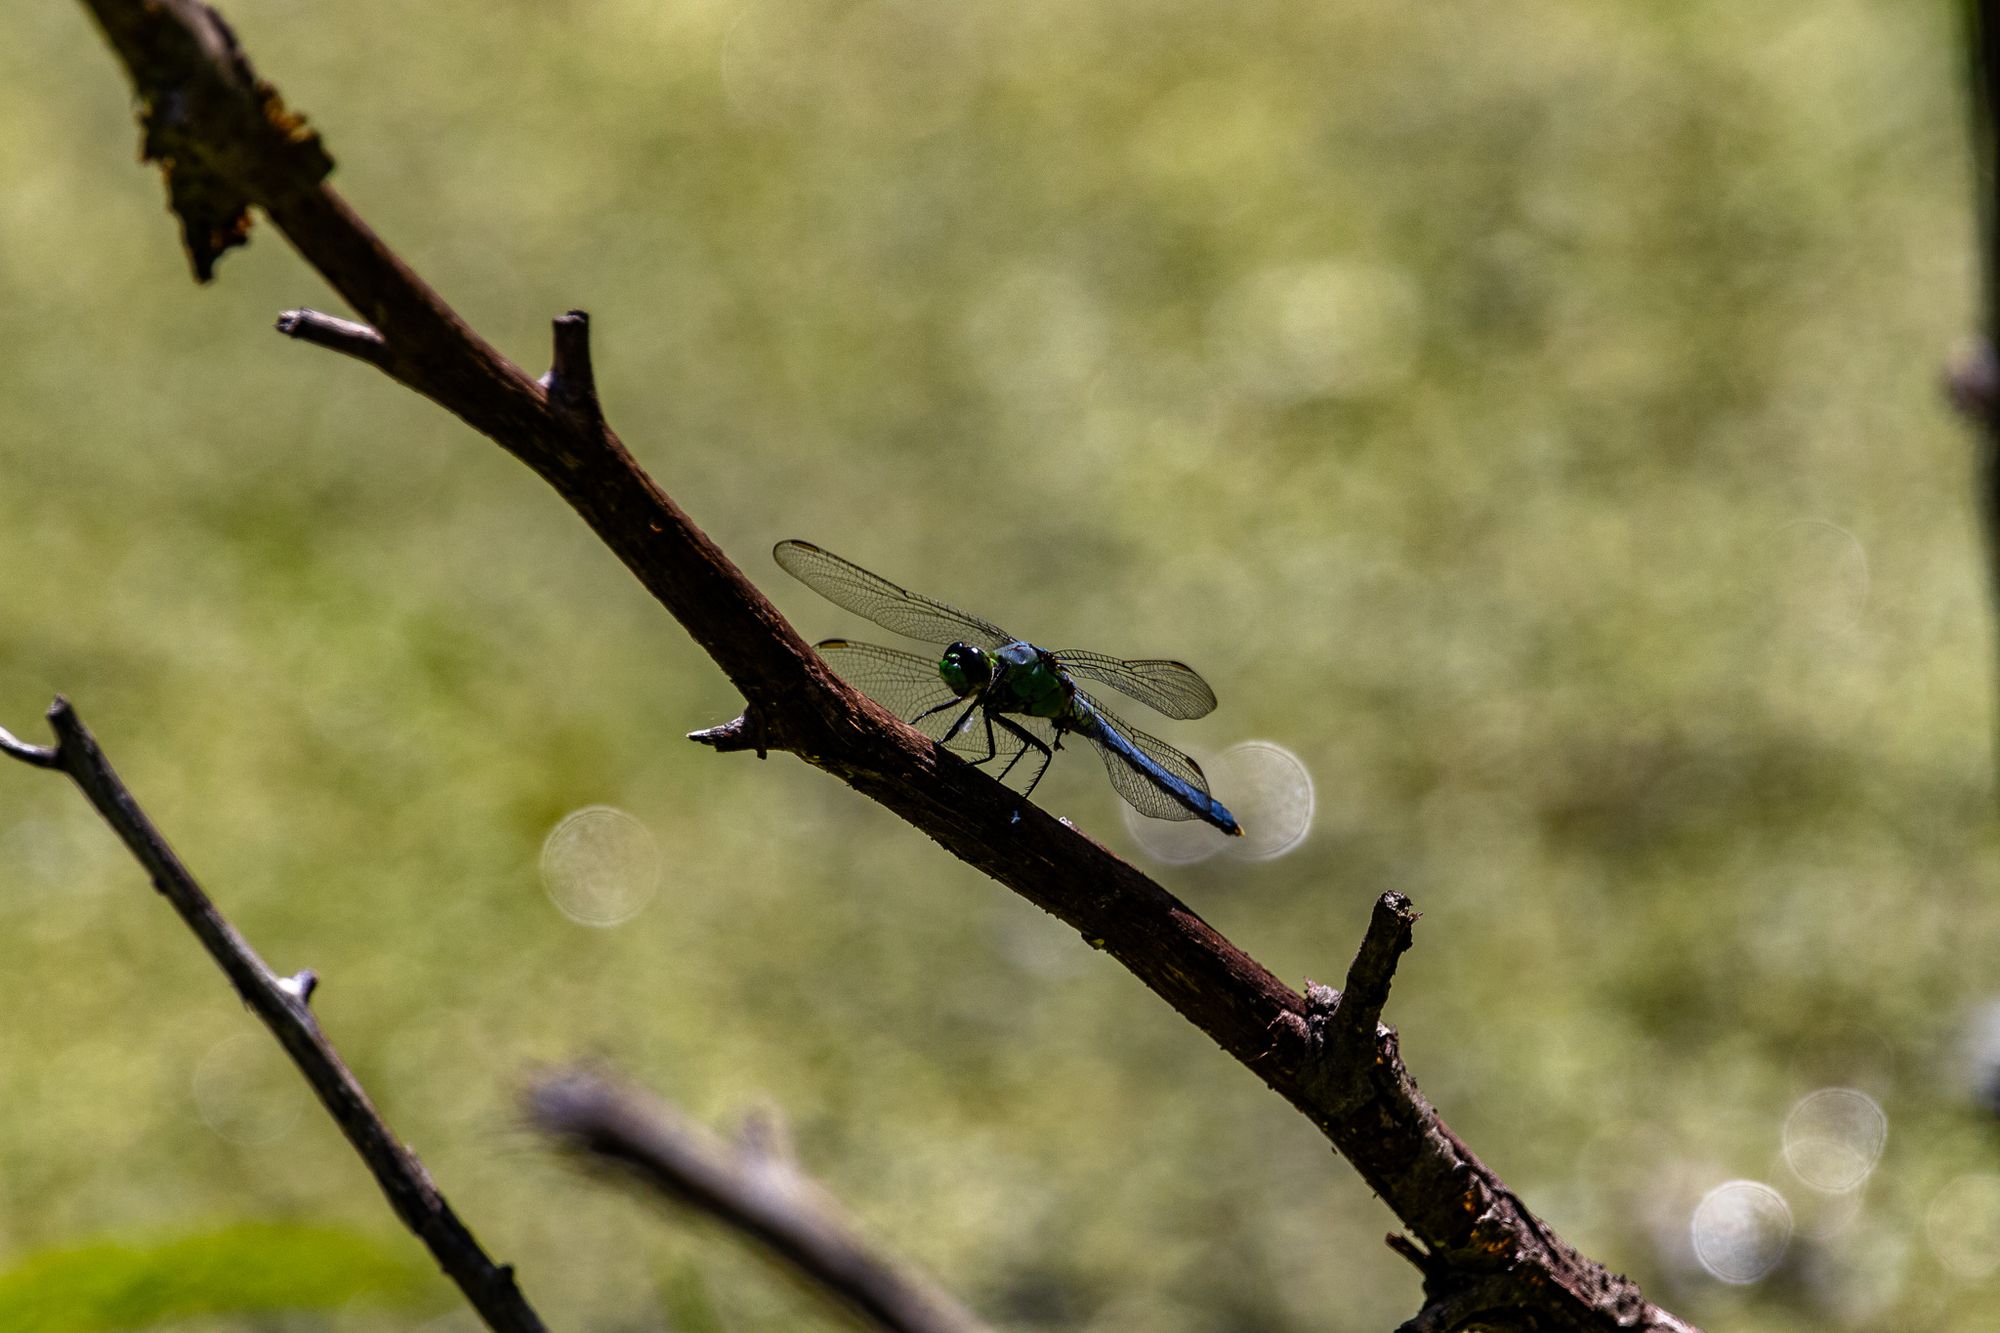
227, 143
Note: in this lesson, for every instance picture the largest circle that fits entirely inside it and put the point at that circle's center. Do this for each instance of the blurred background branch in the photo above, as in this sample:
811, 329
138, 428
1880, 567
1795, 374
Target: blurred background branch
283, 1004
1975, 377
1982, 47
753, 1186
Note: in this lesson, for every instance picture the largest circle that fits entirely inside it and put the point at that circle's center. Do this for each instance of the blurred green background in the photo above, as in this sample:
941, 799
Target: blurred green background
1526, 413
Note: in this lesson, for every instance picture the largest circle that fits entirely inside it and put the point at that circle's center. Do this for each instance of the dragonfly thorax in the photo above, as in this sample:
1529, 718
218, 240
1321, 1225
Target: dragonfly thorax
1028, 680
1019, 678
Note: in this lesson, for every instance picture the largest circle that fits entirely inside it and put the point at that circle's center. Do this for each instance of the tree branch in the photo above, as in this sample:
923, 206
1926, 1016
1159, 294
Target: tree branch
1470, 1224
1359, 1010
752, 1186
733, 737
281, 1003
570, 383
339, 335
40, 756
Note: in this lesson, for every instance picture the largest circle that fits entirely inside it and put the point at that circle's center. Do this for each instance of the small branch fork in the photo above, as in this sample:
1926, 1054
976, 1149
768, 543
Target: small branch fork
282, 1004
227, 142
753, 1186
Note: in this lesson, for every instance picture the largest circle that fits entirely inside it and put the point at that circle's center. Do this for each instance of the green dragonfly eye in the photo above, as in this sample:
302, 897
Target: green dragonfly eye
965, 669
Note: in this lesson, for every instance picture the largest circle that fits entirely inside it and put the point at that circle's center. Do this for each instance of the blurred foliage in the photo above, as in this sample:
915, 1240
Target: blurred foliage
248, 1268
1525, 412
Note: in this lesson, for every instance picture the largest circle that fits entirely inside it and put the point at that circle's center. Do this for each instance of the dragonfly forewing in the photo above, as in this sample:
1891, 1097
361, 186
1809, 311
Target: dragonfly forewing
894, 608
901, 682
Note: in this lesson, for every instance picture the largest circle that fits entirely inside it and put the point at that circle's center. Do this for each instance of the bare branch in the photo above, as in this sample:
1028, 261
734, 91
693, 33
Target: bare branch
1358, 1093
223, 139
753, 1187
1410, 1250
340, 335
747, 732
41, 756
282, 1005
1374, 966
571, 383
300, 985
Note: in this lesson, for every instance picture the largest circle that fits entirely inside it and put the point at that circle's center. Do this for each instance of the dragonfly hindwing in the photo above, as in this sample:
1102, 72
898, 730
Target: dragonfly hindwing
1144, 792
1169, 688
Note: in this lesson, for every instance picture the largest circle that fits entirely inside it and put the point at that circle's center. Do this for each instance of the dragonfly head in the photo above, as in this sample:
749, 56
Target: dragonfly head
965, 668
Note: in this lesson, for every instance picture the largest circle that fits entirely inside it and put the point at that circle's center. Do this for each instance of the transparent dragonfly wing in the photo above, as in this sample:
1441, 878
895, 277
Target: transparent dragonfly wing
1139, 788
901, 682
908, 685
1170, 688
849, 586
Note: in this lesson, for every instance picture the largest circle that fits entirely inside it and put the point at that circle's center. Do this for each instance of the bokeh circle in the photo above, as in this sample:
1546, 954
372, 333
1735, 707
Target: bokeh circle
600, 866
1266, 786
1740, 1230
1834, 1137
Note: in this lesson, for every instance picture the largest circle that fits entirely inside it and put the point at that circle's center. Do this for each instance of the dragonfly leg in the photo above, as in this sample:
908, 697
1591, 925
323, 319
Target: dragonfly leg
1014, 729
959, 725
991, 748
1001, 776
1028, 741
948, 703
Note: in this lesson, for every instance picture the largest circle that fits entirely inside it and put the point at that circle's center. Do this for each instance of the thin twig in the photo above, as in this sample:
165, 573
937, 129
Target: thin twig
339, 335
1410, 1250
571, 383
1364, 1102
1374, 967
751, 1187
41, 756
744, 732
281, 1002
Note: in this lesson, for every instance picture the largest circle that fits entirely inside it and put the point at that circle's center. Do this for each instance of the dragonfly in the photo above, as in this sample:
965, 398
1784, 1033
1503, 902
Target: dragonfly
993, 697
